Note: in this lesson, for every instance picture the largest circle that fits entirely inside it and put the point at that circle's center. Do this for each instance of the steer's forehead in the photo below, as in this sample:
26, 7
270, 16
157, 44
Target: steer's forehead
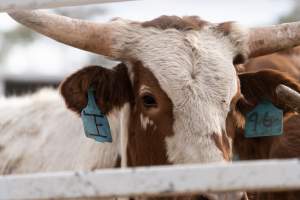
189, 64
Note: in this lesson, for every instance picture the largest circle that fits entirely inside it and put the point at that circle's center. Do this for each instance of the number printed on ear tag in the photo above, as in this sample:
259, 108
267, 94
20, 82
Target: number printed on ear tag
264, 120
95, 123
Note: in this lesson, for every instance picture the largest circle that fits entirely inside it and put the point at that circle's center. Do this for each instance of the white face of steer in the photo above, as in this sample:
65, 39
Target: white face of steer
195, 69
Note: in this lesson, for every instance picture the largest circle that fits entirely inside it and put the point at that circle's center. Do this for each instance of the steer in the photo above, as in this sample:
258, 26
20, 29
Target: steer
176, 87
273, 147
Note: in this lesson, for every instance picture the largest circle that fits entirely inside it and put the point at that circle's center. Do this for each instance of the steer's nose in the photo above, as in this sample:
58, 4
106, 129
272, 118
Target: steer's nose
224, 196
233, 196
202, 197
245, 196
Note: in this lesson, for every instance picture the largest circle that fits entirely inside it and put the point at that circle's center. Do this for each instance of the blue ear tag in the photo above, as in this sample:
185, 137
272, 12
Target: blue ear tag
95, 123
264, 120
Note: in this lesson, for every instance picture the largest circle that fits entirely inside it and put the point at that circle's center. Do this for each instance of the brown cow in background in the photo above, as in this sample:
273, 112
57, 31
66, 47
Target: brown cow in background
275, 147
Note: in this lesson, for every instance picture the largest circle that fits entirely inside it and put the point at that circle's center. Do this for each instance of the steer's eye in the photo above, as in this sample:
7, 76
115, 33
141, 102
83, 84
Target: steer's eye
149, 101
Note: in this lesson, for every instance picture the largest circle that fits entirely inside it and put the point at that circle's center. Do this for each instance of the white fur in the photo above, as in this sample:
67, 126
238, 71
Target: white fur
206, 98
226, 196
43, 135
130, 71
125, 115
145, 121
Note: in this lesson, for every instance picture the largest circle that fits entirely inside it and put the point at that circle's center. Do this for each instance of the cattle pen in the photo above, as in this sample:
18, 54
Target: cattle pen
264, 175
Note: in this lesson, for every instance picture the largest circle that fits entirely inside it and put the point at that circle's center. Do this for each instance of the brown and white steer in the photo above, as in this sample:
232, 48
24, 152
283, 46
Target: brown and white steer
177, 87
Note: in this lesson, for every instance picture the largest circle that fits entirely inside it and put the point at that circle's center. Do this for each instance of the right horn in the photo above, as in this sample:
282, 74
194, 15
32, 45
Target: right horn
289, 97
270, 39
89, 36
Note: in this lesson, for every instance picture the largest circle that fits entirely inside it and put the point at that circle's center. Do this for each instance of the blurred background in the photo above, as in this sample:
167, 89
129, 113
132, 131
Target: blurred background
29, 61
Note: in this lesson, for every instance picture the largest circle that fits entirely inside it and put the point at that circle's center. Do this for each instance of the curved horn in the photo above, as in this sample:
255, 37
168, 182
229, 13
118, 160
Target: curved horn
266, 40
289, 97
89, 36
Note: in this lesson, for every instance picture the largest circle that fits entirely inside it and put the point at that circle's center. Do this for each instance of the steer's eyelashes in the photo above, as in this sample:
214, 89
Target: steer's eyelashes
149, 101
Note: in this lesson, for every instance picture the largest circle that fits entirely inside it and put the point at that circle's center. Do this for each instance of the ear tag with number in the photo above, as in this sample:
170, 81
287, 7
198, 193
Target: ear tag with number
95, 123
264, 120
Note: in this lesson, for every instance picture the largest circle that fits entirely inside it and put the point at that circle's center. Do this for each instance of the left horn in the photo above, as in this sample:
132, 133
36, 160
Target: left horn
266, 40
89, 36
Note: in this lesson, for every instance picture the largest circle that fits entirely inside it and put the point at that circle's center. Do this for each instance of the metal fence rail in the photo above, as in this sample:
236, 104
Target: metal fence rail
168, 180
6, 5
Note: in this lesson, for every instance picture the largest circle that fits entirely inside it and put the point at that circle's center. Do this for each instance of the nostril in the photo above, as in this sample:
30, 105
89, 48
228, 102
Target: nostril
245, 197
201, 197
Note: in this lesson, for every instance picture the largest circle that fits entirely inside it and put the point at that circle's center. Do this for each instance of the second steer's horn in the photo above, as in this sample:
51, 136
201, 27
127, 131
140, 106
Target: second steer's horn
89, 36
289, 97
270, 39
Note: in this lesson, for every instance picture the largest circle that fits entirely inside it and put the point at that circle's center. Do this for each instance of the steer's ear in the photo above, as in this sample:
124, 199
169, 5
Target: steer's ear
261, 85
112, 88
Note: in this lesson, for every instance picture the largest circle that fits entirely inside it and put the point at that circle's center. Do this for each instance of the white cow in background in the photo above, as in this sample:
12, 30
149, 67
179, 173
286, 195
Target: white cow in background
39, 134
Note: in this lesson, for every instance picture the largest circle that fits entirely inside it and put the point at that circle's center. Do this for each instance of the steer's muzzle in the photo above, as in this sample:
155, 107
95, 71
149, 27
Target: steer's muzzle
224, 196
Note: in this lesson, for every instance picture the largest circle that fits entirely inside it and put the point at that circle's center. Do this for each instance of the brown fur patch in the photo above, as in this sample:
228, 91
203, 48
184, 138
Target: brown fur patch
277, 147
182, 24
278, 61
288, 145
118, 162
291, 51
295, 195
146, 146
225, 27
113, 87
234, 118
223, 144
261, 85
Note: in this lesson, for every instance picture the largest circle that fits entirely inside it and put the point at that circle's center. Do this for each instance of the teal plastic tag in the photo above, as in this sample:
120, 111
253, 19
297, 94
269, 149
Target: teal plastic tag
95, 123
264, 120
